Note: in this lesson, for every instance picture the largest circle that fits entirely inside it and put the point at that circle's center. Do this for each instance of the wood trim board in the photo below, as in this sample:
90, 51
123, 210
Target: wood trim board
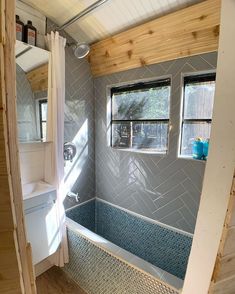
16, 275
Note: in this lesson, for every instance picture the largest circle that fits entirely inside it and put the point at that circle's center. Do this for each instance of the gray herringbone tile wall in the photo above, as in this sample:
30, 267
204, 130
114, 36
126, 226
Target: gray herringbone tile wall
163, 188
26, 116
79, 122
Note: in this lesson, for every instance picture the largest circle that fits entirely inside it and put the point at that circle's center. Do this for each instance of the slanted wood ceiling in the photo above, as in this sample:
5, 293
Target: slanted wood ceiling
111, 18
189, 31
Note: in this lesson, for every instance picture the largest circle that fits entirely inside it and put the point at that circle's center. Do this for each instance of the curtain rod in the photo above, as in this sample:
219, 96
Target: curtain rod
82, 13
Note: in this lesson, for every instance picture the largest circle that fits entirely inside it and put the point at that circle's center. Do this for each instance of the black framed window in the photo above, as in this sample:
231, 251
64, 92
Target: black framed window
197, 109
140, 116
43, 117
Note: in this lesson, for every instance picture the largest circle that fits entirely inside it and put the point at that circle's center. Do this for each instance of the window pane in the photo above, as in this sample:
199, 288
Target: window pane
121, 135
44, 111
190, 132
146, 104
150, 135
198, 100
44, 130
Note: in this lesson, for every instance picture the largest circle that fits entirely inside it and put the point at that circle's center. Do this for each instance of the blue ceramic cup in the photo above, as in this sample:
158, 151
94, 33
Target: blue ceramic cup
197, 149
205, 148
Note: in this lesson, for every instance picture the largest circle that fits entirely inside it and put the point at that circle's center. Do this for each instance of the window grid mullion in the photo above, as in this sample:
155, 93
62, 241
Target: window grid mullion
185, 120
140, 86
187, 80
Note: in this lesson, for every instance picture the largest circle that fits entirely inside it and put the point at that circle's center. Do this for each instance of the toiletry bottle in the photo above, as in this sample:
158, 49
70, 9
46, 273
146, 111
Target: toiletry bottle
30, 33
19, 29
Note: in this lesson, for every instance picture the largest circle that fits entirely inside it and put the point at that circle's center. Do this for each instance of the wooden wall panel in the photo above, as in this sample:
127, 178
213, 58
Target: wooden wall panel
190, 31
10, 282
2, 21
12, 144
15, 265
3, 167
223, 280
226, 286
10, 279
227, 266
229, 246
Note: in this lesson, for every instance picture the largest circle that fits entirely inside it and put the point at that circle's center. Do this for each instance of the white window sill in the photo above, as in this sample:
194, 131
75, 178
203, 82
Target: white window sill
190, 158
143, 151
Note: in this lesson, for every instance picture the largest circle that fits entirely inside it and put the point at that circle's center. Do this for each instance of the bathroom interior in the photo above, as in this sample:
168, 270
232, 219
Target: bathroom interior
117, 147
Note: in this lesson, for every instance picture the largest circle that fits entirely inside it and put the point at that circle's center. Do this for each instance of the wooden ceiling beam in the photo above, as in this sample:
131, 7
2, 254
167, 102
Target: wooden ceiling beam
190, 31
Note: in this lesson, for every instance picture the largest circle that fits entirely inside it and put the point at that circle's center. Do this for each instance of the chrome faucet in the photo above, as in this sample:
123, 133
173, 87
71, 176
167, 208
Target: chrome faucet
69, 151
73, 195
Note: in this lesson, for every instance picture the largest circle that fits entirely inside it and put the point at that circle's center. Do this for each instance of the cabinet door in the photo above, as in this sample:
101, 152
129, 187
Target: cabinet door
42, 231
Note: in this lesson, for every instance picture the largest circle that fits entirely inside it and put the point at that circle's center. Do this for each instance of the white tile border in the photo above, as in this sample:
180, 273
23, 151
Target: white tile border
125, 256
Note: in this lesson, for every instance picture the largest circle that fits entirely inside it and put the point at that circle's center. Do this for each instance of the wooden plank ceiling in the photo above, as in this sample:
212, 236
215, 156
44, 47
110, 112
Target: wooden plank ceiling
190, 31
38, 78
111, 18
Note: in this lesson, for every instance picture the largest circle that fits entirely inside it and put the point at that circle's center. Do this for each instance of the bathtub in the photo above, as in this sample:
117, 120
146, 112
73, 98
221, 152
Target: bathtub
116, 251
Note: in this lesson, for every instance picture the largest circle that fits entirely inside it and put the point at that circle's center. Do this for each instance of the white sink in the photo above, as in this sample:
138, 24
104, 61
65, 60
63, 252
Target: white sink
36, 188
36, 194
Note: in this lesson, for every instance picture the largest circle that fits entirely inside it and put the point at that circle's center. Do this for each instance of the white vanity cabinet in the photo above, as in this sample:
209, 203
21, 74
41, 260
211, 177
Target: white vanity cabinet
41, 219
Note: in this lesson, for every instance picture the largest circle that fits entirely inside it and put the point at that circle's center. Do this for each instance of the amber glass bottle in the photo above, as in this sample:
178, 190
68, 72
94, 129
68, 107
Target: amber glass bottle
19, 29
30, 33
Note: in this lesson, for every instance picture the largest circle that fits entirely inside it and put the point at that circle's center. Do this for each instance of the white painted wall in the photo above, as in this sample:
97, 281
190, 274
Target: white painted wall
39, 20
220, 164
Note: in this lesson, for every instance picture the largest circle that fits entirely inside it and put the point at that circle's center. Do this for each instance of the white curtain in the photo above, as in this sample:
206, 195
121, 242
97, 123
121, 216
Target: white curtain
54, 159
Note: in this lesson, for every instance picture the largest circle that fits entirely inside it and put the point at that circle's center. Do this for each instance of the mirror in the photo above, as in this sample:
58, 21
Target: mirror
31, 91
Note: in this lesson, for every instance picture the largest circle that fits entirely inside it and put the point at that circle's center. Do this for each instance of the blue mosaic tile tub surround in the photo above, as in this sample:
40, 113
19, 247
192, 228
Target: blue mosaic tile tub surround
156, 244
84, 214
99, 272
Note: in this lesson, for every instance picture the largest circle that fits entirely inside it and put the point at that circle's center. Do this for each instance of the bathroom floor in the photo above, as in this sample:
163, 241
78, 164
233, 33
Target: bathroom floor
55, 281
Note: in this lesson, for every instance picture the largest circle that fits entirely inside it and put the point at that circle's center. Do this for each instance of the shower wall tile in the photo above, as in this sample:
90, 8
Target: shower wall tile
164, 188
26, 115
79, 124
